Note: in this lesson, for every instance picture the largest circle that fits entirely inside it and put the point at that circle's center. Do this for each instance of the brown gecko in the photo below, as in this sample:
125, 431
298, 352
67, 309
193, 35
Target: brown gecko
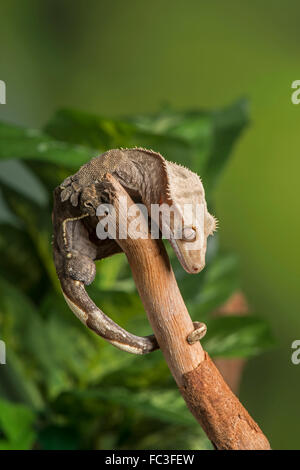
148, 178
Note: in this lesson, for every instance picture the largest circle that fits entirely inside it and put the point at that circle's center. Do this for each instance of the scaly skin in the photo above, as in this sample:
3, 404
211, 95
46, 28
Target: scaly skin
149, 179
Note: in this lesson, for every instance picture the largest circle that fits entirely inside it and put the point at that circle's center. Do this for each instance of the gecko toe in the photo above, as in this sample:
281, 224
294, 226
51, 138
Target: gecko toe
74, 199
65, 194
66, 182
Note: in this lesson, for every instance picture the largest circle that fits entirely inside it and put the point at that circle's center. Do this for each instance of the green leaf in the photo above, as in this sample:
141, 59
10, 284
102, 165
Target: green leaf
237, 336
210, 135
31, 144
201, 140
164, 405
206, 291
87, 129
194, 129
36, 225
6, 214
50, 351
17, 425
108, 271
30, 352
220, 281
16, 175
58, 438
176, 437
228, 125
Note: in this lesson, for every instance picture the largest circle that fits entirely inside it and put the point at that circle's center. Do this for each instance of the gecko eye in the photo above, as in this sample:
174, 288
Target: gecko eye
189, 234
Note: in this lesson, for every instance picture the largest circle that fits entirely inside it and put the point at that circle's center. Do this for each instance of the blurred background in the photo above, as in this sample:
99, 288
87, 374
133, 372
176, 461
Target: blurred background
126, 58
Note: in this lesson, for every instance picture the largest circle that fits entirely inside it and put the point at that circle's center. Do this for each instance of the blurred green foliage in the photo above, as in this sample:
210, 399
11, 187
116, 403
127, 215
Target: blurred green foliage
63, 387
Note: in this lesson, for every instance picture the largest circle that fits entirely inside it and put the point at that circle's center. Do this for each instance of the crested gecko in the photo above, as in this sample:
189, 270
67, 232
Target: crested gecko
148, 178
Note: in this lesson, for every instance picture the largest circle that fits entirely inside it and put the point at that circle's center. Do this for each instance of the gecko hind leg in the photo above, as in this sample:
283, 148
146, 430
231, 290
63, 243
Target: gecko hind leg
74, 258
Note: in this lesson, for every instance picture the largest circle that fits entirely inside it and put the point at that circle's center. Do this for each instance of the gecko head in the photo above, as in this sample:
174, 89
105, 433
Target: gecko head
191, 223
190, 242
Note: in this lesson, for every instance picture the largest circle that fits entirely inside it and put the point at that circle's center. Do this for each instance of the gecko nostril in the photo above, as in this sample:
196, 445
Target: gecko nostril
197, 268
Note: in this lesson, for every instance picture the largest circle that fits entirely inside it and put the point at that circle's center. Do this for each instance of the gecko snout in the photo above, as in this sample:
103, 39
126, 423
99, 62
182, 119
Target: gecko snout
196, 268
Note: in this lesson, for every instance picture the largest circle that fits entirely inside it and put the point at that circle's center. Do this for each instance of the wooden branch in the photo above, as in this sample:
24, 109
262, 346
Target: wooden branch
223, 418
